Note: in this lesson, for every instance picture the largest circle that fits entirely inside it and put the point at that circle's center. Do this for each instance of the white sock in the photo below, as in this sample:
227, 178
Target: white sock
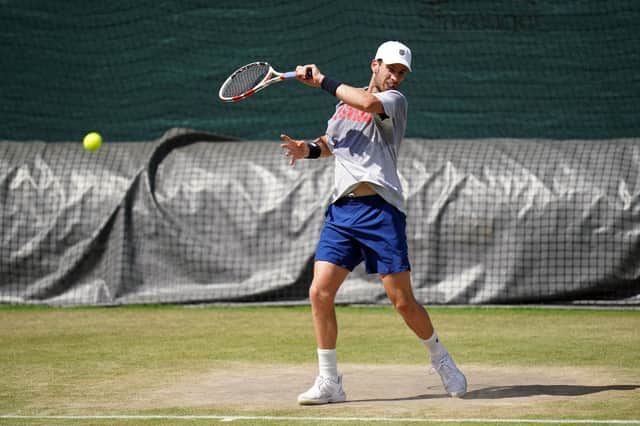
436, 349
327, 363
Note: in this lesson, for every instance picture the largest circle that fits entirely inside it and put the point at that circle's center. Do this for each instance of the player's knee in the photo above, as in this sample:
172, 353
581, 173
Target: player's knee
404, 306
320, 296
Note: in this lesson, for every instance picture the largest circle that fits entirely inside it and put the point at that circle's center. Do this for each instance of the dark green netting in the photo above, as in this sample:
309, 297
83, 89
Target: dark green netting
523, 69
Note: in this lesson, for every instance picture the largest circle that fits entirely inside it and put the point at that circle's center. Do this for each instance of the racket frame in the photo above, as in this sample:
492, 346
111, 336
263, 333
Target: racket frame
272, 77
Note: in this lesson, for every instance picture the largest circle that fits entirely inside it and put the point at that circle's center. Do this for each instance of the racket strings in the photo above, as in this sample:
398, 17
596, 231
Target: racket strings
245, 79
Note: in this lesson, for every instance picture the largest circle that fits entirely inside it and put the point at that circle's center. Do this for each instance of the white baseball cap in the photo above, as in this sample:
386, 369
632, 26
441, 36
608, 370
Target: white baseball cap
394, 52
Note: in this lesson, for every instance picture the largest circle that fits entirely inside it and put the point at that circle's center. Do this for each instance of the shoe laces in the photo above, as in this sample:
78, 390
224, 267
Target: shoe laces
327, 381
442, 367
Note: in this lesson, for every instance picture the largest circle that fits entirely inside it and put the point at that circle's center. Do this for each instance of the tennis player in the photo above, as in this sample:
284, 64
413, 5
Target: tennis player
366, 220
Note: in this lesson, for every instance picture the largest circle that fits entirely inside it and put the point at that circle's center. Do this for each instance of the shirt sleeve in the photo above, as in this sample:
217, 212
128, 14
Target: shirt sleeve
394, 104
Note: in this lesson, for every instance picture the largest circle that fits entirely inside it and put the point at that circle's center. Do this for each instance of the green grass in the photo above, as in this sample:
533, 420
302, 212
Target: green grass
156, 337
49, 352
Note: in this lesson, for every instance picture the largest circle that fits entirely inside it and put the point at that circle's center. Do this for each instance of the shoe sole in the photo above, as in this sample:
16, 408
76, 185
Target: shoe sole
342, 398
461, 393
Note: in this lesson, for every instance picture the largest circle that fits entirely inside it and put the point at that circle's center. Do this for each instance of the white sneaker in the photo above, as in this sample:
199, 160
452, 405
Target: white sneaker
323, 391
452, 378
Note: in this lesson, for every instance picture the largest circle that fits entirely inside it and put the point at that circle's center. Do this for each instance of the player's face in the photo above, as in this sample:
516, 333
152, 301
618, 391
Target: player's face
388, 76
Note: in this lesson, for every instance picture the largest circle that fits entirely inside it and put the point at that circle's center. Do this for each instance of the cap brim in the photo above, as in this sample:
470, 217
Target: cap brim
395, 61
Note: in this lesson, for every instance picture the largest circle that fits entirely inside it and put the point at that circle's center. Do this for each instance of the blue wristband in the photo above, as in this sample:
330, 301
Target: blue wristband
330, 85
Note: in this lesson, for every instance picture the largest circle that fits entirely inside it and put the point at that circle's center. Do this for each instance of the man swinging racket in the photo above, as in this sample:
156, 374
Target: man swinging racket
366, 220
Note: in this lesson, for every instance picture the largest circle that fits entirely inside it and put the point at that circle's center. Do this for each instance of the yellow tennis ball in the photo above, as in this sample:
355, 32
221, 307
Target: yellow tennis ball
92, 141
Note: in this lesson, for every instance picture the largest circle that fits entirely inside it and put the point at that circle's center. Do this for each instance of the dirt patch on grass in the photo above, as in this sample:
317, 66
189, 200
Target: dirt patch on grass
403, 390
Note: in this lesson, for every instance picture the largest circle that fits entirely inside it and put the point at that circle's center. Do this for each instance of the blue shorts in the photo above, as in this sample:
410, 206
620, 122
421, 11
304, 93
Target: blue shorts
364, 228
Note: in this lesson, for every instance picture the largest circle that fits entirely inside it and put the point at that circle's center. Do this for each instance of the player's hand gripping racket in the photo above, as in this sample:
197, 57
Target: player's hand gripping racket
252, 78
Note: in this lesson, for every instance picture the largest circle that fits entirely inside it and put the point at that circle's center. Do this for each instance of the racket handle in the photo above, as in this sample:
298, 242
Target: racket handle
292, 74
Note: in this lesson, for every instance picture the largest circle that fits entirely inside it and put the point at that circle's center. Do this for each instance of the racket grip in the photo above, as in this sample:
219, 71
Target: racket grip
289, 75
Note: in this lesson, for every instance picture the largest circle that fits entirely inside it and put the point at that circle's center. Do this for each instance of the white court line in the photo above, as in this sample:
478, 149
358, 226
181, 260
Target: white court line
331, 419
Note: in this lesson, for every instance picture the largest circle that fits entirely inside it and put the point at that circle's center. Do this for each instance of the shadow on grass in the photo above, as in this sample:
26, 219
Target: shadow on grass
519, 391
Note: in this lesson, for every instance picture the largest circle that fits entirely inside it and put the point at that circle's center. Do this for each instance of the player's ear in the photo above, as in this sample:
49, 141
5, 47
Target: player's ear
375, 64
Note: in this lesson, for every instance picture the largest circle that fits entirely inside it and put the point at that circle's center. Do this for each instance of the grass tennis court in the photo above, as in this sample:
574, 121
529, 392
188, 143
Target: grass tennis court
251, 362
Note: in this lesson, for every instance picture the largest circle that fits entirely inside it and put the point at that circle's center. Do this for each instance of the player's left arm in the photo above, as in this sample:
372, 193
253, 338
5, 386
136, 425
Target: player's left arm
297, 149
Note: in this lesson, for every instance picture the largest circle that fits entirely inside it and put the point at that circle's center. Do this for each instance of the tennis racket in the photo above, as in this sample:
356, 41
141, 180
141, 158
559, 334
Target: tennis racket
252, 78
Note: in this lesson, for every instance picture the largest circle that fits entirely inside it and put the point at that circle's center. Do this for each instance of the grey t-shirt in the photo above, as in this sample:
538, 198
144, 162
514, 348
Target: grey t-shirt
366, 145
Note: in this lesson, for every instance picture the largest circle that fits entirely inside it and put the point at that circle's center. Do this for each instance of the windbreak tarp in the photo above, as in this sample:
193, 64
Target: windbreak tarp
192, 218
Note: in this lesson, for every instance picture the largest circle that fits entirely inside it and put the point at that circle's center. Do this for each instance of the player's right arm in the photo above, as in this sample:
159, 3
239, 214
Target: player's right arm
358, 98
